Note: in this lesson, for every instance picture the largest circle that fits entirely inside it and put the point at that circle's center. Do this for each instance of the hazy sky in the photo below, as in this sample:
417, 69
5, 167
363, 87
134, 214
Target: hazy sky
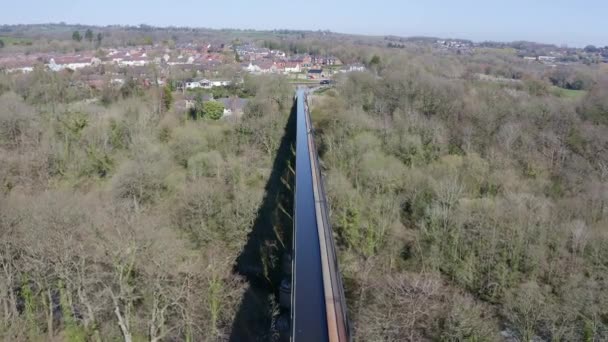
572, 22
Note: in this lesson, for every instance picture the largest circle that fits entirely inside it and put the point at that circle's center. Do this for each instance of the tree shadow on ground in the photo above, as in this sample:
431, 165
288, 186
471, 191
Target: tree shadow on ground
269, 239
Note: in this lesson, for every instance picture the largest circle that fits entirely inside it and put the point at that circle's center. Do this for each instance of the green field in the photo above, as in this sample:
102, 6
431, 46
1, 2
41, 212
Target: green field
568, 93
8, 40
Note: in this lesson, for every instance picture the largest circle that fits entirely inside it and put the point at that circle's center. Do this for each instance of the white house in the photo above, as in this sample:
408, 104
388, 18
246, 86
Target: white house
356, 67
24, 70
72, 63
546, 58
193, 85
117, 81
293, 68
252, 68
134, 61
220, 83
206, 84
234, 106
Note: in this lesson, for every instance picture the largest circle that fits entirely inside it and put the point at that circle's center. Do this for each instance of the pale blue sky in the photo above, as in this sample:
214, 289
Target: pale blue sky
572, 22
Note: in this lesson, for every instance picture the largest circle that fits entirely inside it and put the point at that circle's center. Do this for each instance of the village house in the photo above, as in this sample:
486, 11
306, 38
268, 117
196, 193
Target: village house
134, 61
252, 53
233, 105
326, 60
547, 58
188, 102
354, 67
306, 61
18, 63
193, 85
117, 82
206, 84
220, 83
72, 62
251, 68
265, 67
24, 68
278, 53
314, 74
292, 67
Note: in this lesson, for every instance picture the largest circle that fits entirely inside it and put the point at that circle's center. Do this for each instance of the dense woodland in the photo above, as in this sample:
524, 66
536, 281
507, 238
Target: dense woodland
124, 220
465, 208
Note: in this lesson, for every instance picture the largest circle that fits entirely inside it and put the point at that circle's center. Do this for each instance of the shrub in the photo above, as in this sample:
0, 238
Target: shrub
198, 212
467, 320
595, 104
120, 134
98, 162
205, 164
213, 110
15, 120
381, 172
187, 141
142, 179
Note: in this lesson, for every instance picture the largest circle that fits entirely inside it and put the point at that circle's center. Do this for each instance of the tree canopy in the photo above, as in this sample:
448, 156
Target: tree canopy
374, 61
89, 35
213, 110
76, 36
167, 97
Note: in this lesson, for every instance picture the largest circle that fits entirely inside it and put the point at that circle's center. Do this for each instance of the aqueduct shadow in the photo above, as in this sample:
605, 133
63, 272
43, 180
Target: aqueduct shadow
268, 241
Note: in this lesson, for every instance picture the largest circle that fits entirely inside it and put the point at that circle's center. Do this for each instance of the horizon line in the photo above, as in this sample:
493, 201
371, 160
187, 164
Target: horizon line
62, 23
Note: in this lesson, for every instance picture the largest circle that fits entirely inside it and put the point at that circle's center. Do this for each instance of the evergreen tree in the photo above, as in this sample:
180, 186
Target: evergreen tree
76, 36
89, 35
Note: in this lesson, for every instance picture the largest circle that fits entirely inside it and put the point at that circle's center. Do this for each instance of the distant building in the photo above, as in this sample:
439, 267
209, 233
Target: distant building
219, 83
292, 67
315, 73
306, 61
326, 60
193, 85
355, 67
546, 58
133, 61
17, 64
252, 68
71, 62
233, 106
206, 84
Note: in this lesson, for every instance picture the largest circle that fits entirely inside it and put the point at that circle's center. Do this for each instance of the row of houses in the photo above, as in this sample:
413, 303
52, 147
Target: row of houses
79, 62
282, 67
193, 55
68, 62
205, 84
250, 52
541, 58
254, 54
270, 67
